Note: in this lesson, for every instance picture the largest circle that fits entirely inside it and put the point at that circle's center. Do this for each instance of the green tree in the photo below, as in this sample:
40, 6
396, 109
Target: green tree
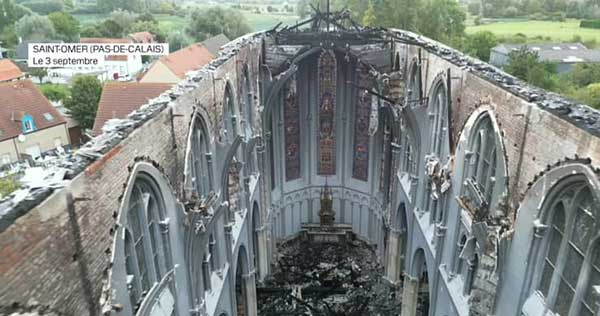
524, 64
216, 20
35, 27
480, 44
39, 73
69, 5
442, 20
8, 185
585, 74
66, 26
369, 19
474, 7
589, 95
122, 17
83, 103
110, 28
55, 92
7, 11
177, 41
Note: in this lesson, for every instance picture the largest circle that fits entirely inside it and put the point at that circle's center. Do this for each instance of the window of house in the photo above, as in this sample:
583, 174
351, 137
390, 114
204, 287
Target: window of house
570, 257
28, 124
48, 117
146, 244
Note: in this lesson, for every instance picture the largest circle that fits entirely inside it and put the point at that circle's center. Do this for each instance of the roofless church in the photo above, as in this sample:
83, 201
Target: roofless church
321, 169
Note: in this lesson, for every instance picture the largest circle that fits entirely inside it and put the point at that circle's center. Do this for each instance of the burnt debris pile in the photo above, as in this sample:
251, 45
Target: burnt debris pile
327, 279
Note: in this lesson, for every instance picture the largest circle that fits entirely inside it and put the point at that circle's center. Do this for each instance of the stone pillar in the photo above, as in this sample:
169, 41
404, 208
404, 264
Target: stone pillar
250, 287
263, 255
394, 256
410, 296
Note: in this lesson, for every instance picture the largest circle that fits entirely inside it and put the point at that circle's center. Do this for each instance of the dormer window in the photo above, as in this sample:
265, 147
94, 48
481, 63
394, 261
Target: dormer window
28, 124
48, 117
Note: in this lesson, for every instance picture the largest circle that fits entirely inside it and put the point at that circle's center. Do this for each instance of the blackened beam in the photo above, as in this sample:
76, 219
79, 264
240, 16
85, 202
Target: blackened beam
370, 91
339, 39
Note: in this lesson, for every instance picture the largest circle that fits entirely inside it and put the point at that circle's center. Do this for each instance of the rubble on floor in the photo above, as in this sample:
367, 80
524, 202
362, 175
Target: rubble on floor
328, 279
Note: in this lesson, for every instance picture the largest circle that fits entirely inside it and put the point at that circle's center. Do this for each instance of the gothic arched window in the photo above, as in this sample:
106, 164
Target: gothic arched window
438, 104
147, 253
409, 149
229, 116
248, 102
201, 173
571, 251
414, 84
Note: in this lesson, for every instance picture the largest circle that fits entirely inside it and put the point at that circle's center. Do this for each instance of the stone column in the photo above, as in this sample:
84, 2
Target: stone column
394, 255
250, 287
410, 296
263, 255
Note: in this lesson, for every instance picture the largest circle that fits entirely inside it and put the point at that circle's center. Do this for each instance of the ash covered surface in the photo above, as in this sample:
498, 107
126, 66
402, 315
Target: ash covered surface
327, 279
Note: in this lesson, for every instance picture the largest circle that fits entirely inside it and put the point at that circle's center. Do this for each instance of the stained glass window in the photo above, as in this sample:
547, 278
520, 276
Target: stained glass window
291, 117
361, 125
326, 121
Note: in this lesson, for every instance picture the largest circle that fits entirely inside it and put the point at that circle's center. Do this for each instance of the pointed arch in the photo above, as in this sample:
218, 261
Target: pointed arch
143, 258
198, 171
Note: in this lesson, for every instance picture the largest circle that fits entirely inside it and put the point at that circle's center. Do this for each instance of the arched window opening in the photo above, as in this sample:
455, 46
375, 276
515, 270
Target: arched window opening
241, 283
438, 122
414, 90
147, 252
248, 102
572, 226
201, 173
409, 152
482, 160
397, 62
229, 116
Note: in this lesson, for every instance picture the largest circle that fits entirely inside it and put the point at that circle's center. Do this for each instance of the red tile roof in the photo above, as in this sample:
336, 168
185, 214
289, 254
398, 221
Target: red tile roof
119, 99
9, 71
187, 59
101, 40
142, 37
19, 98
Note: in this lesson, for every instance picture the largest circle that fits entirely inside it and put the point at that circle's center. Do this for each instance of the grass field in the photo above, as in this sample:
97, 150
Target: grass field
557, 31
169, 23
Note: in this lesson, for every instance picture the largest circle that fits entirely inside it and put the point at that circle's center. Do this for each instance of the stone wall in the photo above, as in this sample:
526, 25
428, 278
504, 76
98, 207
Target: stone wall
59, 257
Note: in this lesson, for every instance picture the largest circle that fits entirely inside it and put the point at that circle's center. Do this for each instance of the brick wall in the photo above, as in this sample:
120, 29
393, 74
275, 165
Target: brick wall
40, 261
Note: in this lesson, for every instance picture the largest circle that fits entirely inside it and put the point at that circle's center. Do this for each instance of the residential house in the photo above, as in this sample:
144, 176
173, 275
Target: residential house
121, 98
29, 124
564, 55
215, 43
22, 50
173, 67
9, 71
116, 67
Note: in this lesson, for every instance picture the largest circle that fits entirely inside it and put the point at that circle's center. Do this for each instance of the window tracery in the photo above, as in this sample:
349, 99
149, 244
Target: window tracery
361, 126
326, 120
571, 252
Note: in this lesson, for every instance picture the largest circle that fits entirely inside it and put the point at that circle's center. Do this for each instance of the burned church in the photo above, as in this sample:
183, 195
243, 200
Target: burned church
370, 158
